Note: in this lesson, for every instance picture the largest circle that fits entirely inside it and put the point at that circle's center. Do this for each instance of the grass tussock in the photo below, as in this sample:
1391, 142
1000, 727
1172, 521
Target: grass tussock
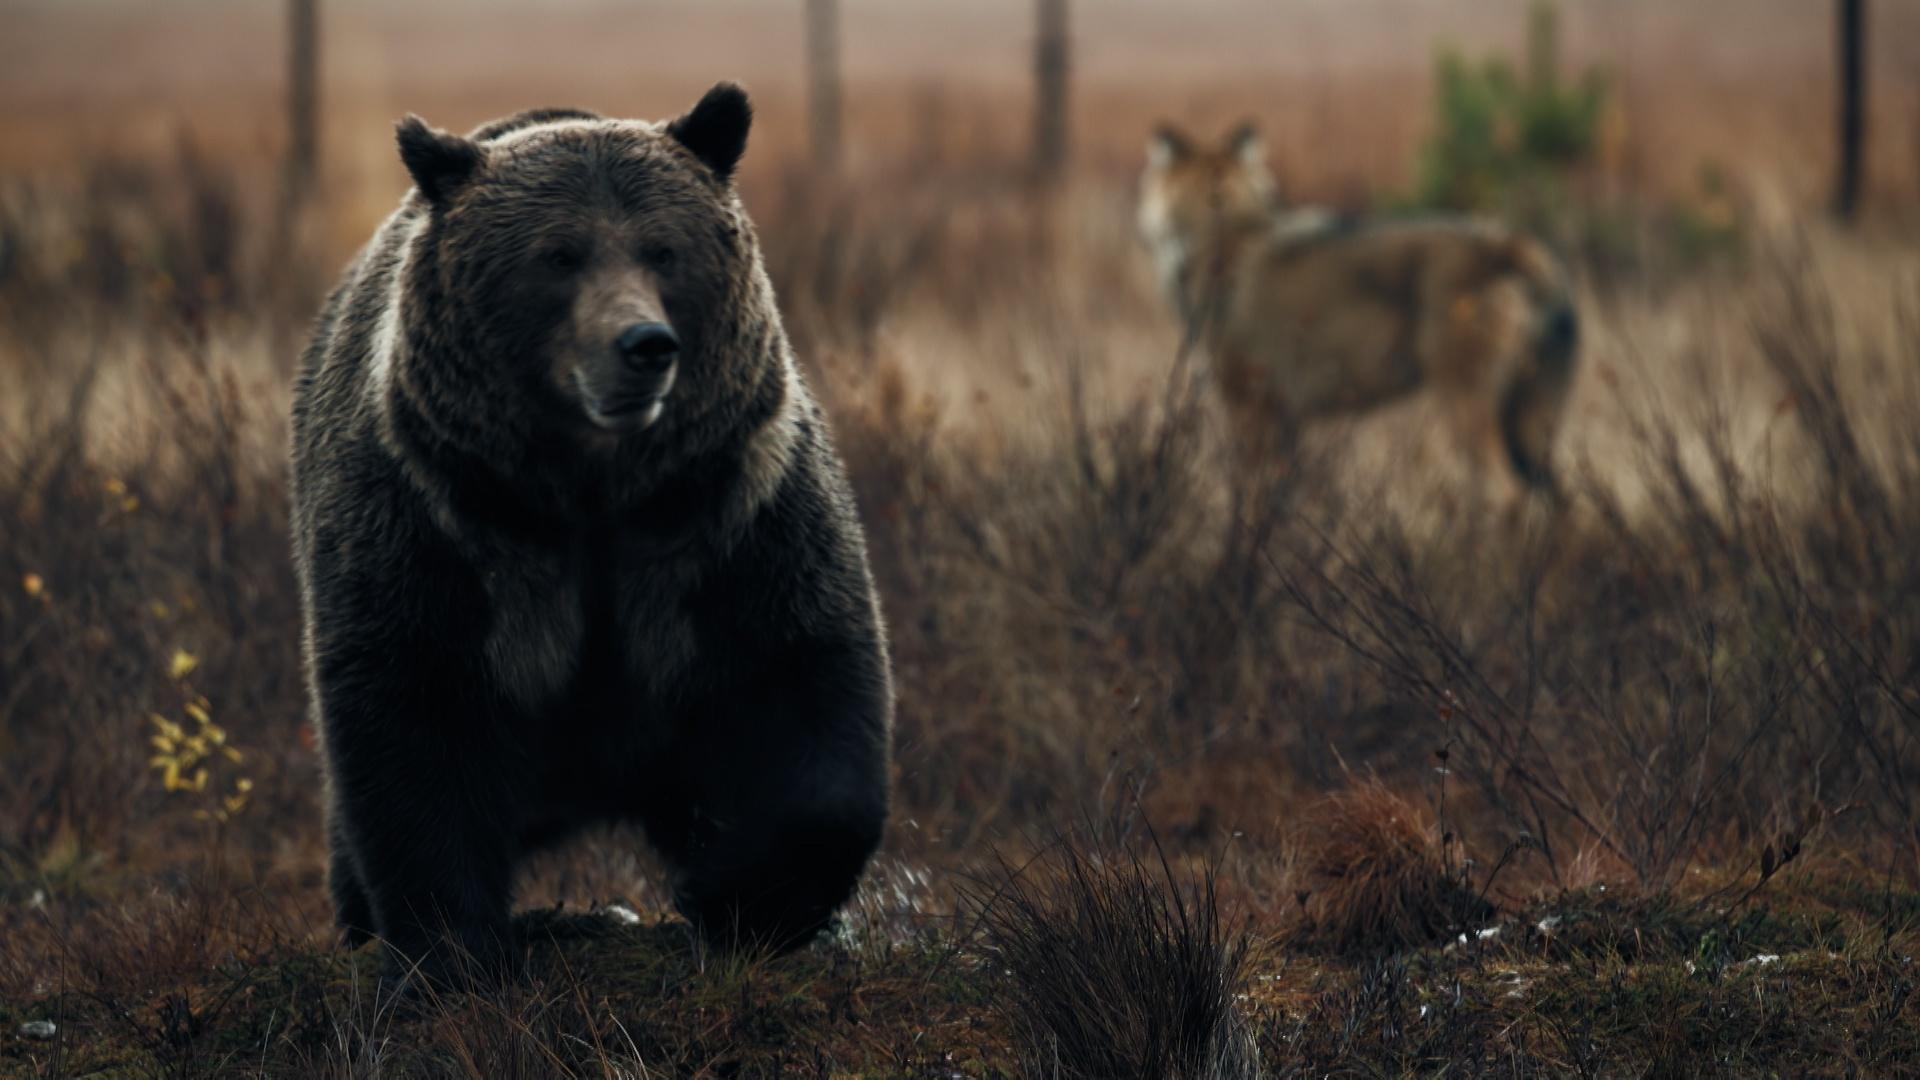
1372, 873
1114, 965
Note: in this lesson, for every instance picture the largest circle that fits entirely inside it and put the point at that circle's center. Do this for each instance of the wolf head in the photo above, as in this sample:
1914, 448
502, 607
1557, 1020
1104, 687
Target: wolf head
1190, 188
1193, 194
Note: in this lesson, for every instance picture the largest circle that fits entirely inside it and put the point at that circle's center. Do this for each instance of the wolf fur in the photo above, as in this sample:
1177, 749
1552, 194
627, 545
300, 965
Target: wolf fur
1306, 314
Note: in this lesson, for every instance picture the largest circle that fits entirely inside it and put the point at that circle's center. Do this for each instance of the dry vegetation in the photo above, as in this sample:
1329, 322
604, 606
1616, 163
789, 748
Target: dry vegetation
1332, 770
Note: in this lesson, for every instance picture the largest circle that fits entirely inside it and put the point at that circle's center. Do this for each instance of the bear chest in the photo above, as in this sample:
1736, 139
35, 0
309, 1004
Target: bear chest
593, 634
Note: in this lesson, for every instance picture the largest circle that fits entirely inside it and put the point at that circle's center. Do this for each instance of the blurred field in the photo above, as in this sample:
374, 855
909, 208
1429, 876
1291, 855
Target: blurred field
1283, 748
1340, 86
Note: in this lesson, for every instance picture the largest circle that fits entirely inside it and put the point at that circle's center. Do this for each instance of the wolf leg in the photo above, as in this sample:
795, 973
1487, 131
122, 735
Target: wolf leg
1263, 431
1472, 419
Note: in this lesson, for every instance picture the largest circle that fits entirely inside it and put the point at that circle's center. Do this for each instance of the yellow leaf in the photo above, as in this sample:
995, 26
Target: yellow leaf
243, 785
34, 584
182, 665
199, 712
116, 486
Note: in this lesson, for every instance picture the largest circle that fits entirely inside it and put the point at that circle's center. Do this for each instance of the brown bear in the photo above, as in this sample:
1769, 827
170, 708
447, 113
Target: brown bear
575, 546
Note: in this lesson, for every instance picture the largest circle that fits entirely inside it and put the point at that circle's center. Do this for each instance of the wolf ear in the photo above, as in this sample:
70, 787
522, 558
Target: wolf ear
1168, 146
440, 162
1246, 145
716, 129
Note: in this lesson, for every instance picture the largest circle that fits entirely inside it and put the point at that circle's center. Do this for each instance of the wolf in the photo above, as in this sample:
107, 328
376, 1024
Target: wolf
1305, 314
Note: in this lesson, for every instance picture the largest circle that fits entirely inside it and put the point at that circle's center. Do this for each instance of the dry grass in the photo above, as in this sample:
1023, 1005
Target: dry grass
1678, 725
1705, 667
1371, 872
1115, 966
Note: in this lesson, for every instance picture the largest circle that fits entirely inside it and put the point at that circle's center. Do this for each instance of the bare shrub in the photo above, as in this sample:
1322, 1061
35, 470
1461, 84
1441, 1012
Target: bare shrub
1650, 682
144, 555
1845, 574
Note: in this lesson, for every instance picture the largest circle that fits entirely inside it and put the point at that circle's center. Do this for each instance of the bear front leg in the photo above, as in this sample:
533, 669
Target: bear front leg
787, 804
352, 910
432, 848
775, 880
424, 790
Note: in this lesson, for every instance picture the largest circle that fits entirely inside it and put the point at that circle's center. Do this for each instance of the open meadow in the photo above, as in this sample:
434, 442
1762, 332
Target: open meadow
1333, 768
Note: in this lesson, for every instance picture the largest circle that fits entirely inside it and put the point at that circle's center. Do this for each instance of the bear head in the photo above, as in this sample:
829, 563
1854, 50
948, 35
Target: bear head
586, 286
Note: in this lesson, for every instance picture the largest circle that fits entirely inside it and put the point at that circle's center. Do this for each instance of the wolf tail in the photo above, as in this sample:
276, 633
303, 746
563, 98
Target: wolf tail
1559, 341
1531, 410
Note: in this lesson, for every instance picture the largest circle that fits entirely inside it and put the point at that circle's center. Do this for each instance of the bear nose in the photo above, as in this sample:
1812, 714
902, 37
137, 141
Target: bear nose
648, 346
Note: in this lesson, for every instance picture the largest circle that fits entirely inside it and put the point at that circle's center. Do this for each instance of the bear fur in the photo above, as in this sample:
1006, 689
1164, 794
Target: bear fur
574, 546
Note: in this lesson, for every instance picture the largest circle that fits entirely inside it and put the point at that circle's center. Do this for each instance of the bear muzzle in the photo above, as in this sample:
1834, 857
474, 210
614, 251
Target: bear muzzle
627, 391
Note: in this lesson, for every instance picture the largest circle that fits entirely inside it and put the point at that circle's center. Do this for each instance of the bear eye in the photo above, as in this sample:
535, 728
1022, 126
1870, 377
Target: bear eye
564, 260
659, 256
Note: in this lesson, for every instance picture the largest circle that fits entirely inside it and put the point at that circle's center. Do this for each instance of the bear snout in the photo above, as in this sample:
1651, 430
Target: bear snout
649, 348
624, 386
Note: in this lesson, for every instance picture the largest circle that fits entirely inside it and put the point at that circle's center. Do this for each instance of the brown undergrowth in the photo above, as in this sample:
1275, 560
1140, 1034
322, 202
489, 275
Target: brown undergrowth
1433, 782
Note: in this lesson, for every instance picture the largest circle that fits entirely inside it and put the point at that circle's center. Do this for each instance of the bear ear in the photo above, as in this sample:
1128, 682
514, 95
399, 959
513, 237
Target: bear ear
440, 162
1168, 146
716, 129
